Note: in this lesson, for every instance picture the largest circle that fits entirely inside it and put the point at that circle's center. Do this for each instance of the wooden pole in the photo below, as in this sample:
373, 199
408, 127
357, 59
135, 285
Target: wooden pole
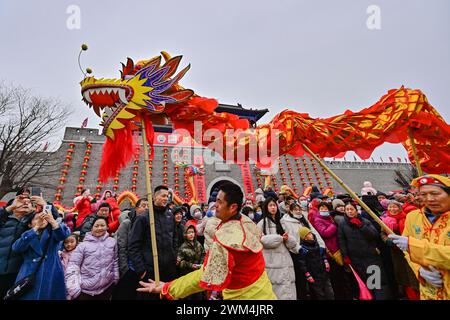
151, 213
350, 191
414, 150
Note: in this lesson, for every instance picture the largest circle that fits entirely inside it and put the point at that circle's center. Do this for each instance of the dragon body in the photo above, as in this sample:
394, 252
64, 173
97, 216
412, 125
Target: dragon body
149, 91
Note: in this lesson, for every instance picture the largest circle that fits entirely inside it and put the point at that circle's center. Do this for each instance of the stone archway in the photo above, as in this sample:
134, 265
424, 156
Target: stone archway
215, 183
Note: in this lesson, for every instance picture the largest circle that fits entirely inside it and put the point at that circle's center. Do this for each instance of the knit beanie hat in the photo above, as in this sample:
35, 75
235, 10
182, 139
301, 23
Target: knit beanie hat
337, 202
193, 208
303, 232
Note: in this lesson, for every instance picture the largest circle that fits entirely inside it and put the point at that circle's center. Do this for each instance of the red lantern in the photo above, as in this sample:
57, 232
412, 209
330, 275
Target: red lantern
86, 158
134, 180
82, 179
66, 164
88, 152
83, 172
89, 145
72, 145
116, 180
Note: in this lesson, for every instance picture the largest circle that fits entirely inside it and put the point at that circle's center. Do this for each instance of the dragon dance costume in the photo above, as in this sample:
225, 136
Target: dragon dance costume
429, 244
234, 265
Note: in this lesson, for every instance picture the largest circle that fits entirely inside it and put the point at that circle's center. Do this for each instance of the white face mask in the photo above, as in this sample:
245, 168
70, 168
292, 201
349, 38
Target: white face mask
198, 215
304, 204
251, 216
324, 213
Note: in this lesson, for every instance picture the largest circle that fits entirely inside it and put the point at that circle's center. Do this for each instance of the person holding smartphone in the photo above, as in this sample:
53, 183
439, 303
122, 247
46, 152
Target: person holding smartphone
14, 220
42, 241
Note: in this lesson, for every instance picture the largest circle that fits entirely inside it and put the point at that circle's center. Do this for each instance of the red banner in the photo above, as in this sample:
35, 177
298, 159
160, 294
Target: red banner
247, 179
199, 180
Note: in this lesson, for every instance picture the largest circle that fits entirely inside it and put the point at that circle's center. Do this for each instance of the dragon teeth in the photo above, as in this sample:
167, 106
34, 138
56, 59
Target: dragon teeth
122, 96
87, 96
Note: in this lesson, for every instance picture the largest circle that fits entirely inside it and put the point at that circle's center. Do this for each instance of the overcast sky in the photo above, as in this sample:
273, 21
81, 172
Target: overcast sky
317, 57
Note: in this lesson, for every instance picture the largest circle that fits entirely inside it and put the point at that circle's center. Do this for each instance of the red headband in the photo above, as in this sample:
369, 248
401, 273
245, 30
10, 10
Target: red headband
429, 181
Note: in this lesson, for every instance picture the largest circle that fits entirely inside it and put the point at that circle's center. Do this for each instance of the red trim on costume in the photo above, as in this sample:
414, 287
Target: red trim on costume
165, 291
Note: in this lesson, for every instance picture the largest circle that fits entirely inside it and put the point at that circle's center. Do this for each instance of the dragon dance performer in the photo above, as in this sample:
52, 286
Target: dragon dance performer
426, 237
234, 263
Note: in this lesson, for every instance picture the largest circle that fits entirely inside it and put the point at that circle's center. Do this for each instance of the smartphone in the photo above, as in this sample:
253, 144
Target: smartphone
48, 208
36, 191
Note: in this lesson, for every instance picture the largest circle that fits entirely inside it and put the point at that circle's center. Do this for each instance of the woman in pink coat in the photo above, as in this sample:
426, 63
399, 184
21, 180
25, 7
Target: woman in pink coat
93, 268
328, 230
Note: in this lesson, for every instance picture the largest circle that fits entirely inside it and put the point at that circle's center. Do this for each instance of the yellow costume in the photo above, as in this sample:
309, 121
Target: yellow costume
429, 244
234, 265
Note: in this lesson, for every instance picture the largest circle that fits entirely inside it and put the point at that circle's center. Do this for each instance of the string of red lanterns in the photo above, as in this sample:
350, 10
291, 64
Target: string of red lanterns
308, 173
291, 174
64, 172
327, 178
165, 162
176, 173
316, 172
187, 192
258, 181
116, 181
84, 166
99, 188
300, 171
135, 173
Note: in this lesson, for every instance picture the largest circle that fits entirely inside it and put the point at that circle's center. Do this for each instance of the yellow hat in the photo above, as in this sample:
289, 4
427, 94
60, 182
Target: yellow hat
431, 179
303, 232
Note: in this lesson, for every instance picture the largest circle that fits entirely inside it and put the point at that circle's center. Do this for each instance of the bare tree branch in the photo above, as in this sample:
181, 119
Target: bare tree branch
26, 123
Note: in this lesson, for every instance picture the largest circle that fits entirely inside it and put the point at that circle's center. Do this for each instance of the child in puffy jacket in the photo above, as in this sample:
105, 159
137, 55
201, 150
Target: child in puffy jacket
315, 266
93, 268
190, 256
69, 246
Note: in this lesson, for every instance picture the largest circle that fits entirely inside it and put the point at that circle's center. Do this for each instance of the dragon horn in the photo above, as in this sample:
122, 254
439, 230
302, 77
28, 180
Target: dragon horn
165, 55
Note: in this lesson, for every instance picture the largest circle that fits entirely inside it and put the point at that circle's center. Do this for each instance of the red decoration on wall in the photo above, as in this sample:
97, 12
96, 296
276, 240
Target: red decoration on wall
64, 172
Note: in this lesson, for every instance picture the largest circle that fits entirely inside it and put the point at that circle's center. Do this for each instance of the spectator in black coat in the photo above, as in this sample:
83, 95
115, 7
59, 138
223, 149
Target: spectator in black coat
314, 265
179, 225
140, 248
358, 240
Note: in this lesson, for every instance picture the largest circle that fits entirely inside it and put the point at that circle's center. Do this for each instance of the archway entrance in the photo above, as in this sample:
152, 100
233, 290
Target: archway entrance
216, 183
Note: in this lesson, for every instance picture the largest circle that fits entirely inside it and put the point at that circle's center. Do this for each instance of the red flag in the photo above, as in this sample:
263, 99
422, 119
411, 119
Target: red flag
390, 159
84, 124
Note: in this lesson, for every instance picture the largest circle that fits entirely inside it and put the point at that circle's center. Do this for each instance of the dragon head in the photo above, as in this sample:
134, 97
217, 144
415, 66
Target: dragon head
146, 86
